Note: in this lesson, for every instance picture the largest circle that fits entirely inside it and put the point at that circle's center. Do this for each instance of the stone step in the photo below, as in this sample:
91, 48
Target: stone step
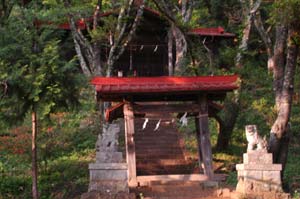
158, 151
157, 148
164, 171
165, 161
162, 138
158, 156
185, 191
158, 143
159, 139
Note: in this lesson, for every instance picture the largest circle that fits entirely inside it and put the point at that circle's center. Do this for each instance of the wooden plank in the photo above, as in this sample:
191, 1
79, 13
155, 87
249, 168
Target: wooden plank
204, 134
167, 108
130, 144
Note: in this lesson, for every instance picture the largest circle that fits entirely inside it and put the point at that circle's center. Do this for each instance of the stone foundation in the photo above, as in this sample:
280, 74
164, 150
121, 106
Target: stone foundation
108, 177
109, 174
258, 177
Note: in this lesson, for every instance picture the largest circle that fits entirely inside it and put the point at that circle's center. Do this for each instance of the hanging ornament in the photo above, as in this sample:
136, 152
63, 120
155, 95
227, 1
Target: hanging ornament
155, 49
145, 123
184, 119
157, 125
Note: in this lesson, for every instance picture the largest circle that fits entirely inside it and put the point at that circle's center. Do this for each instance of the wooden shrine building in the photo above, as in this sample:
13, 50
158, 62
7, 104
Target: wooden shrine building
147, 52
183, 95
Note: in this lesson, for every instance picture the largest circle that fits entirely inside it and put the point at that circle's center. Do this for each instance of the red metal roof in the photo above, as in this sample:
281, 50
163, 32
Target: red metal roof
219, 32
81, 24
127, 85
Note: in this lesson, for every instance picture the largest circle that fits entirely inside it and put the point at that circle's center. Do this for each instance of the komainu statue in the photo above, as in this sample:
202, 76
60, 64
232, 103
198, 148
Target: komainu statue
254, 139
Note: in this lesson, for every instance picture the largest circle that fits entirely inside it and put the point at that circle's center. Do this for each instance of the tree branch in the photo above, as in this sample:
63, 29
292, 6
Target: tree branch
96, 13
266, 39
122, 41
85, 69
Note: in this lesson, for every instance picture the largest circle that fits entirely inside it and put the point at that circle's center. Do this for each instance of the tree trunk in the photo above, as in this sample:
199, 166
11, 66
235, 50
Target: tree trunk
83, 64
227, 125
170, 54
279, 58
243, 47
266, 38
181, 48
34, 167
96, 62
279, 138
250, 8
123, 38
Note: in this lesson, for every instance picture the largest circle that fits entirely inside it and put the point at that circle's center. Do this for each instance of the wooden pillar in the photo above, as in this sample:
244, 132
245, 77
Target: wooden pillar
204, 137
130, 144
200, 159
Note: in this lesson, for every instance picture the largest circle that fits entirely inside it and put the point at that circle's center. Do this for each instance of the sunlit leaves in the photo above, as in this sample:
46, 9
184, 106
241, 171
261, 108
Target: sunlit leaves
34, 71
286, 11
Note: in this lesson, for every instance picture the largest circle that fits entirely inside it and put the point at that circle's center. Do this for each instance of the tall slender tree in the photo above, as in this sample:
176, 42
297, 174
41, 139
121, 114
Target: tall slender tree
282, 52
35, 78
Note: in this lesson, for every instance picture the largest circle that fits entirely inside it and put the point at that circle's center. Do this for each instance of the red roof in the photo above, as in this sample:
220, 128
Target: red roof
81, 24
219, 32
128, 85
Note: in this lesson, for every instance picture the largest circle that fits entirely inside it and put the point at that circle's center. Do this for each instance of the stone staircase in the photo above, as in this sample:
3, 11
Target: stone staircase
162, 151
181, 190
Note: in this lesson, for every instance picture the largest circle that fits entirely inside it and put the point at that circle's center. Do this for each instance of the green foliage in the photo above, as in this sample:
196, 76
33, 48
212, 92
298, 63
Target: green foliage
66, 146
12, 187
33, 71
286, 11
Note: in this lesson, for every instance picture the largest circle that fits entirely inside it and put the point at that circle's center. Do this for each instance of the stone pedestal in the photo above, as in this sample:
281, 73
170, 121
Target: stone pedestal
258, 175
108, 178
109, 174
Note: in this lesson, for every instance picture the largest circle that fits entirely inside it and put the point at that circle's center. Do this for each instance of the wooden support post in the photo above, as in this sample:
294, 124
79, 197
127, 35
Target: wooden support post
200, 159
204, 135
130, 144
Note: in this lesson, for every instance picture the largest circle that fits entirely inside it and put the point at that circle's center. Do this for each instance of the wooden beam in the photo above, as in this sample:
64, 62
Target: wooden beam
166, 108
130, 144
204, 134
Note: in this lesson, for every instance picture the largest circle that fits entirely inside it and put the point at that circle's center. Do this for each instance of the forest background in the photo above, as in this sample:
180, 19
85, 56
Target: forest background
46, 100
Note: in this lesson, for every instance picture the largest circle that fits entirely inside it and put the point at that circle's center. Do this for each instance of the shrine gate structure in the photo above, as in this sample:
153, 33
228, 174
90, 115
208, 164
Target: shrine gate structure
192, 95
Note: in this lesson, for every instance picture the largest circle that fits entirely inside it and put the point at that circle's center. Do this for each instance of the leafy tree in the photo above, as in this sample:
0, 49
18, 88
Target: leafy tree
284, 66
35, 79
115, 32
178, 14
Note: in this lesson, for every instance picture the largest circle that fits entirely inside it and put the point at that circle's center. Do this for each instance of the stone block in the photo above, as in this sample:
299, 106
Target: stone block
269, 195
99, 195
107, 174
252, 175
108, 166
110, 187
224, 192
108, 171
282, 196
259, 167
236, 195
109, 157
210, 184
257, 157
272, 176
